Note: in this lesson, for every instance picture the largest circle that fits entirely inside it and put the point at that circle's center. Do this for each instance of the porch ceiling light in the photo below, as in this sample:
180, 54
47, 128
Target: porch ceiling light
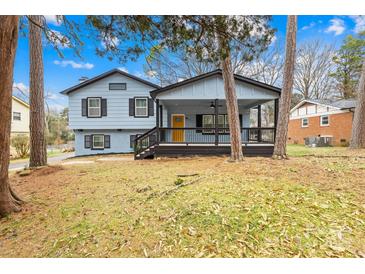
212, 105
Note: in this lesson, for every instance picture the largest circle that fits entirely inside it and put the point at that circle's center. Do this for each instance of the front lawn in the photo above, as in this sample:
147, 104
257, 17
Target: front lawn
113, 206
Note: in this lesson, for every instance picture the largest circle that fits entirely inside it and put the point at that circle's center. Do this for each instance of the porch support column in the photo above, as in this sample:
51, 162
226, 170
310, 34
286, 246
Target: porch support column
276, 112
157, 121
216, 113
259, 123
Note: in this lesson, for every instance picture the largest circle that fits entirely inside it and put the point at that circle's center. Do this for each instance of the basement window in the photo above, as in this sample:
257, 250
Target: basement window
98, 141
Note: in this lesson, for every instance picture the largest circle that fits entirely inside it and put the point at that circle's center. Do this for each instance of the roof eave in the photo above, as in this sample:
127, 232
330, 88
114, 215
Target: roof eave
102, 76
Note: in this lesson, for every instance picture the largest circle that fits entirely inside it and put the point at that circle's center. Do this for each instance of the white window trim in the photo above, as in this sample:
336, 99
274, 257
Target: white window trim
88, 107
307, 122
321, 123
135, 107
20, 116
98, 147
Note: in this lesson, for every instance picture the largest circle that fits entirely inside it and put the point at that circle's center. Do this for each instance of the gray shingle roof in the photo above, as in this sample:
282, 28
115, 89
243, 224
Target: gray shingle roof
342, 103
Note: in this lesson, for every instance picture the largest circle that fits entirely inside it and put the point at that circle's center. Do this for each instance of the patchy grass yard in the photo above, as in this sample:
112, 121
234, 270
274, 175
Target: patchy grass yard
307, 206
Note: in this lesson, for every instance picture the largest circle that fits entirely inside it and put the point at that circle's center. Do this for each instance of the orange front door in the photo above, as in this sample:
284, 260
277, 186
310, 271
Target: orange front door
178, 121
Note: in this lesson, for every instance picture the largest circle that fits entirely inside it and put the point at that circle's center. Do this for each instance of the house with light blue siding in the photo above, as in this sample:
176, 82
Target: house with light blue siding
118, 113
100, 112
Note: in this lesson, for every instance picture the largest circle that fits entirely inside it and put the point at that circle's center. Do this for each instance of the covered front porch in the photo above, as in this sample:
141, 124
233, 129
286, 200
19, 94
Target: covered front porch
206, 121
198, 127
191, 118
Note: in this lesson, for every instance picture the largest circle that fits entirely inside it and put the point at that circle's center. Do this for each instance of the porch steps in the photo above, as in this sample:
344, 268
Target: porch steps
146, 154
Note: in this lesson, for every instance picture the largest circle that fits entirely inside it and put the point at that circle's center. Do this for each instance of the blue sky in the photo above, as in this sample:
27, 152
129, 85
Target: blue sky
63, 73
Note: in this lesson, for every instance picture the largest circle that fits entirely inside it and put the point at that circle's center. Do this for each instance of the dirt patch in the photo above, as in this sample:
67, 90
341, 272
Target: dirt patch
46, 170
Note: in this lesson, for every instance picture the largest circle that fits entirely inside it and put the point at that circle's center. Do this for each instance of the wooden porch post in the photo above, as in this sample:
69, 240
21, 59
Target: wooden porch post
276, 111
216, 112
259, 123
157, 121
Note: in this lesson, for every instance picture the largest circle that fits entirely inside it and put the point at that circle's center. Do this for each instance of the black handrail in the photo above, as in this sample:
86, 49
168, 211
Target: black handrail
200, 135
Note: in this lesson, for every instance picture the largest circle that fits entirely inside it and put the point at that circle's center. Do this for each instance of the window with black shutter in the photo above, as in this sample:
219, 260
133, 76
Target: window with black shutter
131, 106
87, 141
141, 107
199, 122
151, 107
103, 107
84, 107
131, 140
106, 141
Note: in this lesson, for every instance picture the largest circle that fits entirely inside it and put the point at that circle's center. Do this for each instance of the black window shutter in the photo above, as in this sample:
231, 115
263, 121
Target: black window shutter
106, 141
151, 107
240, 117
103, 107
131, 140
87, 141
199, 122
84, 107
131, 107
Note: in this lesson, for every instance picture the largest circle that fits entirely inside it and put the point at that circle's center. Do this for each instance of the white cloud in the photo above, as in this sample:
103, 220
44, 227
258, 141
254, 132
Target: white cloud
123, 69
311, 25
20, 87
73, 64
359, 23
337, 26
52, 19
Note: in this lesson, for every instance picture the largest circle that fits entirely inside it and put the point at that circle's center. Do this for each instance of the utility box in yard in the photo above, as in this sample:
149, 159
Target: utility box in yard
318, 141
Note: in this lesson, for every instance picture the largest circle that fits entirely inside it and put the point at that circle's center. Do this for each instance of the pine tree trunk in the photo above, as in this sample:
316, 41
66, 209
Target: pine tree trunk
38, 149
286, 93
9, 201
358, 124
232, 104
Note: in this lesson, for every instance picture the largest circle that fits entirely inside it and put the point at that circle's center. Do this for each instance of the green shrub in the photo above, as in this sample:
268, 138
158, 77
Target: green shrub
21, 144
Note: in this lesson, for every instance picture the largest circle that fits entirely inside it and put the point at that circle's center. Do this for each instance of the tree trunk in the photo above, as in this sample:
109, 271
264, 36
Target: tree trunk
286, 93
231, 102
358, 124
38, 149
9, 201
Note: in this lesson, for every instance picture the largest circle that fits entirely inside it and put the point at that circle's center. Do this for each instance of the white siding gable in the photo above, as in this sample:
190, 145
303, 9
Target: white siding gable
213, 87
117, 105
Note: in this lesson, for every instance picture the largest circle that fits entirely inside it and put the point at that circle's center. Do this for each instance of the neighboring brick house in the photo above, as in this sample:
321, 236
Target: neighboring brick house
322, 118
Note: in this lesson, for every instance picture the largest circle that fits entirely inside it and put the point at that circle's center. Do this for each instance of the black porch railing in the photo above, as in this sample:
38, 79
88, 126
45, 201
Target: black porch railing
210, 136
145, 140
195, 135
